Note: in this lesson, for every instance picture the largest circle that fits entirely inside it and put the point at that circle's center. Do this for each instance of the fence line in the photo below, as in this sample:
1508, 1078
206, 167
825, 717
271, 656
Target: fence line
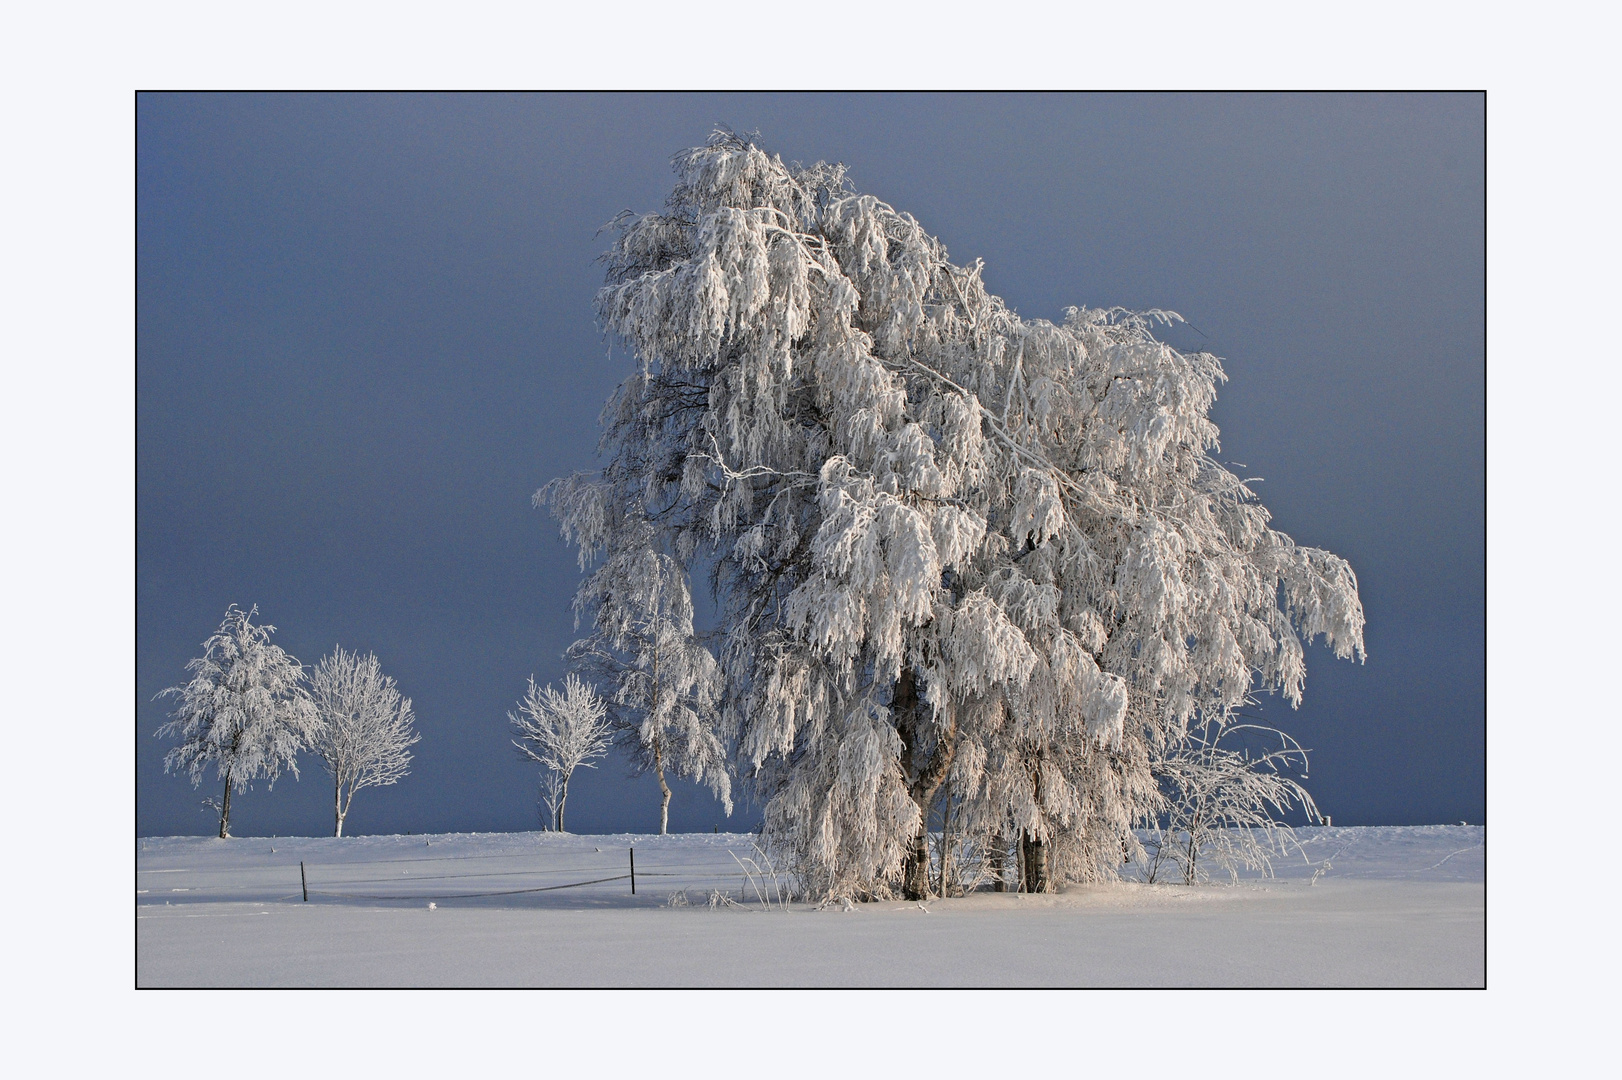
706, 873
468, 896
516, 873
432, 858
496, 873
492, 874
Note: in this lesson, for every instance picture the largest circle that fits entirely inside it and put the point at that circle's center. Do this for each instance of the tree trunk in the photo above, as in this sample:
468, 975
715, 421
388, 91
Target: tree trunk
904, 712
563, 797
1033, 851
225, 808
338, 807
999, 844
915, 881
1035, 873
925, 779
659, 768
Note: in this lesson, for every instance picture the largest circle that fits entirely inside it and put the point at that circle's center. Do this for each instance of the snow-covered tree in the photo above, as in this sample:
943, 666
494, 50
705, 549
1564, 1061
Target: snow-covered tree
365, 735
959, 554
1224, 801
663, 686
245, 710
562, 731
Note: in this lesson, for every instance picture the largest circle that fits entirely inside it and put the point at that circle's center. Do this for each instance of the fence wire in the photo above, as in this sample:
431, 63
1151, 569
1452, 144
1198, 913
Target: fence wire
350, 881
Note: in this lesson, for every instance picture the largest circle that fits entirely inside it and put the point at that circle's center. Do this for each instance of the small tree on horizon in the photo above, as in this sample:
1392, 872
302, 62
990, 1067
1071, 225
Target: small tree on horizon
366, 730
562, 731
244, 710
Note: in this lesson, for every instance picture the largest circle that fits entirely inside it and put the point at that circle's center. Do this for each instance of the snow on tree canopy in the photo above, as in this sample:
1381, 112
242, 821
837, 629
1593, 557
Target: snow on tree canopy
959, 555
366, 730
245, 710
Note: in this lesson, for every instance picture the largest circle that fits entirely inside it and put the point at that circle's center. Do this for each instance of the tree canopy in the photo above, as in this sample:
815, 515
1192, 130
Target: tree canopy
959, 555
366, 730
562, 730
244, 711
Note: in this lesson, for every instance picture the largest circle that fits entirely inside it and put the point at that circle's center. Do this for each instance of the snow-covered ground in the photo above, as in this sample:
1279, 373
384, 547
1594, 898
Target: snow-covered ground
1394, 907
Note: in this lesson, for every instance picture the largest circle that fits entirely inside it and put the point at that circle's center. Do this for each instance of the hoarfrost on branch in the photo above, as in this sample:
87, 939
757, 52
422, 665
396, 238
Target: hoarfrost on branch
365, 734
244, 711
663, 685
963, 559
563, 731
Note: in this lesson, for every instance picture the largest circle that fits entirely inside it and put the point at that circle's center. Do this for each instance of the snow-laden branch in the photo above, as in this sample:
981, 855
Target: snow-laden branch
245, 710
963, 559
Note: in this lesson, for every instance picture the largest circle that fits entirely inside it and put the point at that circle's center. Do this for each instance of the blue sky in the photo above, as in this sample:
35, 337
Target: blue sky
365, 337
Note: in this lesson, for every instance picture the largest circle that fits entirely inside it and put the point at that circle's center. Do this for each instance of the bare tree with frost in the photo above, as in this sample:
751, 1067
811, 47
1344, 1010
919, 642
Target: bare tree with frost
365, 735
562, 731
244, 711
663, 686
1224, 802
959, 554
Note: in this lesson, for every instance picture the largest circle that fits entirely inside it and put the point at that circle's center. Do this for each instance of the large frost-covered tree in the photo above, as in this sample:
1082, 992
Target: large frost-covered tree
365, 735
244, 711
663, 686
959, 555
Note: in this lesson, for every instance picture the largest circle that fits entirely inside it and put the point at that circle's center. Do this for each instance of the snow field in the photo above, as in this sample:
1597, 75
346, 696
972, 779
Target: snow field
524, 869
1396, 907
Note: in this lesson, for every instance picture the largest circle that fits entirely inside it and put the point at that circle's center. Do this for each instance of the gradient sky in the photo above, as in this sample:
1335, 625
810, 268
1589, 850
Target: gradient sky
365, 337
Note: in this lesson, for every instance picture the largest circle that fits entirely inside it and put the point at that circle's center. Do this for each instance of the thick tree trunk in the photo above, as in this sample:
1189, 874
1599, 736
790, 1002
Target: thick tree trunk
915, 880
225, 808
1035, 869
904, 711
999, 844
338, 807
659, 768
1033, 857
926, 779
563, 797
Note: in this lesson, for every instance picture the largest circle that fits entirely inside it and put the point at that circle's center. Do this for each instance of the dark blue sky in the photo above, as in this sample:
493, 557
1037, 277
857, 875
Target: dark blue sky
365, 337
